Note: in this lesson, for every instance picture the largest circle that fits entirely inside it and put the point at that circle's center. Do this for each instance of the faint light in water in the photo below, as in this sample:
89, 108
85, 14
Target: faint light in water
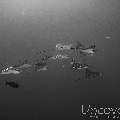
108, 37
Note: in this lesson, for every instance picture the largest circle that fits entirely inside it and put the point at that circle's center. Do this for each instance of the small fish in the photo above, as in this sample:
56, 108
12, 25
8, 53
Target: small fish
78, 46
88, 51
43, 69
77, 80
46, 57
77, 65
92, 46
59, 56
16, 66
12, 84
21, 65
39, 65
61, 47
24, 66
10, 71
92, 74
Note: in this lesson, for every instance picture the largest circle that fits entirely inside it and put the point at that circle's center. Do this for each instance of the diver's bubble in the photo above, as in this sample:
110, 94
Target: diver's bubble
108, 37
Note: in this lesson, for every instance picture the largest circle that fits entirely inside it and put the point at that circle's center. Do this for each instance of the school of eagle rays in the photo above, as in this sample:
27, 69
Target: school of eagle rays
60, 54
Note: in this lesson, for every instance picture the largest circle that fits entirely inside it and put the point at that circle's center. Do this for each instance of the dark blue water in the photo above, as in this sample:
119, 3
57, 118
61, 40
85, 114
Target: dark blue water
54, 94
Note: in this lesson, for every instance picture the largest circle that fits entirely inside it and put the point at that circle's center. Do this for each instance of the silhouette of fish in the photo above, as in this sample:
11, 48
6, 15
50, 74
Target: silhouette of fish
92, 74
89, 50
24, 66
59, 56
9, 71
92, 46
12, 84
39, 65
61, 47
43, 68
20, 65
79, 45
77, 65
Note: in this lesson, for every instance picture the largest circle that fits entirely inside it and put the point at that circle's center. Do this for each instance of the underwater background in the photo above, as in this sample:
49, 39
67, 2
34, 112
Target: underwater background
29, 26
